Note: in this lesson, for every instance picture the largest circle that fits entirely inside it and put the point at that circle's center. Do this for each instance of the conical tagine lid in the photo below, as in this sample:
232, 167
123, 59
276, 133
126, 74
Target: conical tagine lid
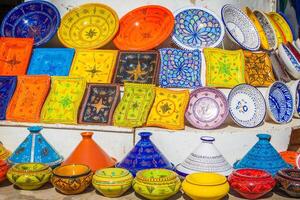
35, 148
4, 153
144, 155
262, 156
205, 158
89, 153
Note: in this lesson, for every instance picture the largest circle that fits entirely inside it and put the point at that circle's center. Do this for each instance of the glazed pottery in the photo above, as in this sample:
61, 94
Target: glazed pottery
280, 103
262, 156
291, 63
294, 87
3, 170
278, 32
247, 106
283, 25
205, 186
293, 50
29, 176
4, 153
144, 155
156, 184
205, 158
207, 109
298, 161
33, 19
7, 88
144, 28
112, 182
288, 180
197, 28
35, 148
251, 183
290, 24
290, 157
71, 179
89, 26
240, 28
279, 68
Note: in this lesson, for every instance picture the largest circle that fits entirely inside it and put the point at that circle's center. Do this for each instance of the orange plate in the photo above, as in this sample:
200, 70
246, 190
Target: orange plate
28, 98
144, 28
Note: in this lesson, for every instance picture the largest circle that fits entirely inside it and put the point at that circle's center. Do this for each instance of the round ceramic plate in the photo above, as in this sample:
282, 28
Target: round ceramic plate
144, 28
247, 106
280, 103
290, 24
197, 28
33, 19
283, 25
88, 26
208, 108
240, 28
291, 63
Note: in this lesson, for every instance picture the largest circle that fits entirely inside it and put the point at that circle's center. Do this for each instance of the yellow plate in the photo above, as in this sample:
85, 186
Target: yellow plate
283, 25
88, 26
279, 34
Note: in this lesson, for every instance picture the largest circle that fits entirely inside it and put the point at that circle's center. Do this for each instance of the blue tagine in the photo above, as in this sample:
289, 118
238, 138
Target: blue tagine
35, 148
262, 156
144, 155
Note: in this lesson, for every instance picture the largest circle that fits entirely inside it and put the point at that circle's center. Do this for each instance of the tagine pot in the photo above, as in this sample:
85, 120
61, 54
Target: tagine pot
288, 180
4, 153
290, 157
89, 153
251, 183
144, 155
3, 170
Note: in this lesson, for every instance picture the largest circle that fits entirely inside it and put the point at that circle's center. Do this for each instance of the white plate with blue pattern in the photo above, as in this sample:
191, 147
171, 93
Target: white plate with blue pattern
290, 61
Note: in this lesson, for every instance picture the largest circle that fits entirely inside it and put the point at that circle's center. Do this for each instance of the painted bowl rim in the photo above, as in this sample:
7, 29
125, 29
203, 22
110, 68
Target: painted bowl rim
283, 173
97, 173
222, 178
264, 175
43, 167
85, 173
172, 175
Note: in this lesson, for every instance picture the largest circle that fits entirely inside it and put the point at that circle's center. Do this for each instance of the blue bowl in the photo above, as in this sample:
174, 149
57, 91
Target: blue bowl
33, 19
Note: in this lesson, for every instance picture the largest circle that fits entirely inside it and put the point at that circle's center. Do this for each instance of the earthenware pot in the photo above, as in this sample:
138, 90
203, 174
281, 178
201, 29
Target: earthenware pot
205, 186
71, 179
112, 182
3, 170
29, 176
156, 184
4, 153
290, 157
251, 183
288, 180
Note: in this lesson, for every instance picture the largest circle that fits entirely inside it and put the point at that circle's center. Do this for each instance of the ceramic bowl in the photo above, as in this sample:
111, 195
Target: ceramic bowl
240, 28
290, 157
197, 28
112, 182
71, 179
290, 61
279, 68
251, 183
282, 25
289, 23
32, 19
205, 186
294, 87
288, 180
3, 170
29, 176
4, 153
156, 183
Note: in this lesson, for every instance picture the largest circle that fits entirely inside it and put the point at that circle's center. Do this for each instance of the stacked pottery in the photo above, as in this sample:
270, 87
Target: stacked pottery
288, 180
4, 153
3, 170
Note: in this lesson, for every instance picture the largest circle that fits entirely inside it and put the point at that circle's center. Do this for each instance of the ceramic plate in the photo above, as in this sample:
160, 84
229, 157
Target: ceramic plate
283, 25
247, 106
278, 68
208, 108
294, 87
291, 63
280, 102
289, 23
144, 28
197, 28
88, 26
240, 28
297, 43
278, 32
33, 19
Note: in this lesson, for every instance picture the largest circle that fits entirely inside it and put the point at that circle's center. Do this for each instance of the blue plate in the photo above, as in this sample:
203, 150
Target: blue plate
7, 88
290, 24
33, 19
51, 61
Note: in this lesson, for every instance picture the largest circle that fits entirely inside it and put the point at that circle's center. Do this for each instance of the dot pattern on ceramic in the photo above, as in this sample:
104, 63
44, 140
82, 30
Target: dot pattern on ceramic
7, 88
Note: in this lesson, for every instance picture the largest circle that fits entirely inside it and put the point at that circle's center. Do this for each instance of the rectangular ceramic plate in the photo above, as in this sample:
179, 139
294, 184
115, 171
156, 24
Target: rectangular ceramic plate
7, 88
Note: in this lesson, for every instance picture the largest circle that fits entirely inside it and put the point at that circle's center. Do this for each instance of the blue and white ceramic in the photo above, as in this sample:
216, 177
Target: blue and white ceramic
7, 88
144, 155
51, 61
262, 156
290, 61
294, 87
197, 28
32, 19
240, 28
180, 68
35, 148
247, 106
297, 44
289, 23
280, 105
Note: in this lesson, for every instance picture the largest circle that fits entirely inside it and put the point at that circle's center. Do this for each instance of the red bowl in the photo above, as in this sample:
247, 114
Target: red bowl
3, 170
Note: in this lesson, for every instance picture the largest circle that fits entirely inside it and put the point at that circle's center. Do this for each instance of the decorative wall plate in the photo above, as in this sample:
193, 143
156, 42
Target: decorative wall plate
197, 28
89, 26
268, 28
247, 106
208, 108
62, 103
279, 34
135, 105
280, 105
294, 87
278, 68
240, 28
224, 68
258, 69
7, 88
293, 50
14, 55
283, 25
290, 61
136, 67
285, 17
96, 66
180, 68
99, 104
168, 109
32, 19
144, 28
28, 99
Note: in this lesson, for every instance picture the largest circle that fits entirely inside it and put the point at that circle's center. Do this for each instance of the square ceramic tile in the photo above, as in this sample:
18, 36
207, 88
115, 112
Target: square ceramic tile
7, 88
